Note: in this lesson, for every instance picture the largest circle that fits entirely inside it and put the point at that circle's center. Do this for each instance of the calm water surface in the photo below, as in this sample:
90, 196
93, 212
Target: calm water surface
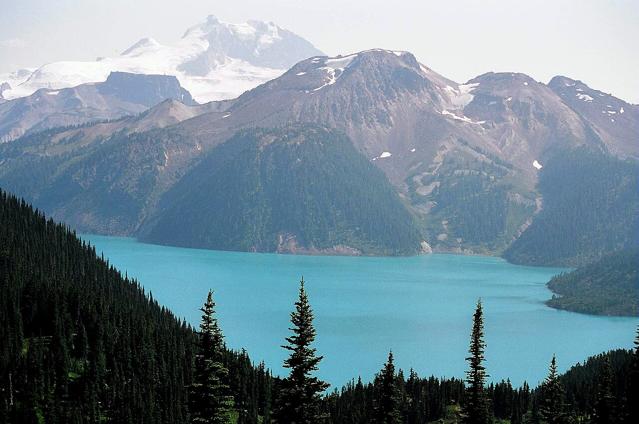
420, 307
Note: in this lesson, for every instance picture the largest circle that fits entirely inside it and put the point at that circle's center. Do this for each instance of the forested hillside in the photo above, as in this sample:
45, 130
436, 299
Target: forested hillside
300, 188
590, 208
83, 343
609, 286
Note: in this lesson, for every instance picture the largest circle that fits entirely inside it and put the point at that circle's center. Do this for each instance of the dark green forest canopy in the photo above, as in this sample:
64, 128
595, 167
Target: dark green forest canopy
609, 286
298, 188
590, 209
82, 343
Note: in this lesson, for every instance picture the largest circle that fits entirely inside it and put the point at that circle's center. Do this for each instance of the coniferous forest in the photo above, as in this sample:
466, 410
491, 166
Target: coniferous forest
82, 343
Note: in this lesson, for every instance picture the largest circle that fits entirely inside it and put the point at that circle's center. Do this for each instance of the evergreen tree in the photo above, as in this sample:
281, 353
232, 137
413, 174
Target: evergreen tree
604, 412
387, 405
210, 402
551, 407
299, 400
633, 384
476, 402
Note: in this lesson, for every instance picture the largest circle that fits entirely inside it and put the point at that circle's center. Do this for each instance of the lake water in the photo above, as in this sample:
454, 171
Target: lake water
420, 307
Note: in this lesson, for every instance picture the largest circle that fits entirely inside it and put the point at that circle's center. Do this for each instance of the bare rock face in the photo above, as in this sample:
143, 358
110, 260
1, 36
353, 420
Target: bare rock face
610, 118
425, 248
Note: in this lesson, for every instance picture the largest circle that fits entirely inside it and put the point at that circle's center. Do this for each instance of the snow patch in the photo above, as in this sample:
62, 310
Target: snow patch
584, 97
537, 165
621, 110
340, 62
300, 73
53, 93
383, 155
333, 75
463, 95
412, 150
461, 118
525, 83
334, 68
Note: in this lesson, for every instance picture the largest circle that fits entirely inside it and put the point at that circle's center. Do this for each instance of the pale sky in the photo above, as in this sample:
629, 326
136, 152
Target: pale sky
590, 40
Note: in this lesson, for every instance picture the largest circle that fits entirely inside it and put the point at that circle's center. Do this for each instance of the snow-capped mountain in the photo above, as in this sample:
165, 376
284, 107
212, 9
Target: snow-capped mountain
214, 60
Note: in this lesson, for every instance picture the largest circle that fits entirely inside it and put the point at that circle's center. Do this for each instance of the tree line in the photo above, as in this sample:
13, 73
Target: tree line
82, 343
599, 395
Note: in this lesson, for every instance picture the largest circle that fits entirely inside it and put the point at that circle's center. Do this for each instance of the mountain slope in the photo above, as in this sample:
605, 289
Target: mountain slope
120, 95
86, 334
410, 121
213, 60
610, 118
83, 343
465, 158
291, 189
590, 207
609, 286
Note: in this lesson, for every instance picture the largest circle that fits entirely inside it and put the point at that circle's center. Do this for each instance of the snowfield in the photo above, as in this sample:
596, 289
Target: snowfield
214, 60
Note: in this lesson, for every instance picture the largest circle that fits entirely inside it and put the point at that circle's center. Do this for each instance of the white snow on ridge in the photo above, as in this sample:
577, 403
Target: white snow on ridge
537, 165
461, 118
334, 67
621, 110
340, 62
584, 97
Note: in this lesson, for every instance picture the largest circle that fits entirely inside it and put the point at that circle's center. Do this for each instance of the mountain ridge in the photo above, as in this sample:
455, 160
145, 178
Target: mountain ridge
441, 144
122, 94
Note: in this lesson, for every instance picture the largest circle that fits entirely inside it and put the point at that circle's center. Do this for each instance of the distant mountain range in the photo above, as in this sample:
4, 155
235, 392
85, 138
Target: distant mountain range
214, 60
122, 94
475, 167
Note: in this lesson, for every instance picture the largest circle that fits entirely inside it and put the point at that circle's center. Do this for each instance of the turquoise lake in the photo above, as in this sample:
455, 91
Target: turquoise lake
420, 307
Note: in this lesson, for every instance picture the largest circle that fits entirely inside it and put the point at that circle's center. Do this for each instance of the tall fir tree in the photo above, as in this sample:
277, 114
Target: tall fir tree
633, 384
475, 410
604, 411
210, 402
300, 395
551, 405
387, 402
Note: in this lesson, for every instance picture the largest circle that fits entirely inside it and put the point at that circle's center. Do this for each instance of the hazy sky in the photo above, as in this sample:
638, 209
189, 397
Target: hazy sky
589, 40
